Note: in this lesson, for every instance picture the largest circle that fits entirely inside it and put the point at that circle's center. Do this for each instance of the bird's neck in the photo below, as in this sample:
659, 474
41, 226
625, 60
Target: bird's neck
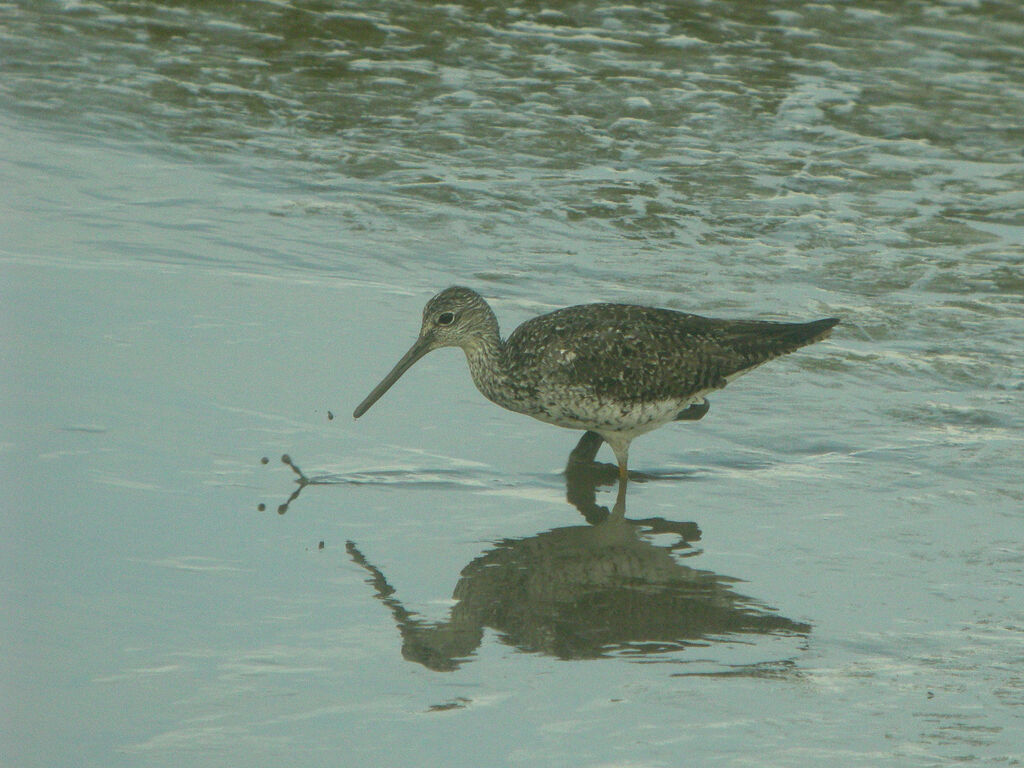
486, 358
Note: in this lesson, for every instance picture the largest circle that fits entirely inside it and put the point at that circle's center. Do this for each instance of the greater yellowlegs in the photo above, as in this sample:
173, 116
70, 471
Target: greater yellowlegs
616, 369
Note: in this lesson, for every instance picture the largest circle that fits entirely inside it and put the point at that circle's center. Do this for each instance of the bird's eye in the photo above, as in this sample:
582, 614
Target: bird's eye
446, 318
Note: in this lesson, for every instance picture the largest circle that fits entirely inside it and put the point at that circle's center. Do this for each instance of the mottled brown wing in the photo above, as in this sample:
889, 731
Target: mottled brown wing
636, 354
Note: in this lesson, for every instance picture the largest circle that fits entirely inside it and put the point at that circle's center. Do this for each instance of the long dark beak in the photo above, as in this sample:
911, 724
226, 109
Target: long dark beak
416, 351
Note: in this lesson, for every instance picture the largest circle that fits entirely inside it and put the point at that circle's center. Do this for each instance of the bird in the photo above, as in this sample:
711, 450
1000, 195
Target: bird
619, 370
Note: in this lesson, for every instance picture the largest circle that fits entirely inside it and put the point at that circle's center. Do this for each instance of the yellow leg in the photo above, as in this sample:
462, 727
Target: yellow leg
621, 449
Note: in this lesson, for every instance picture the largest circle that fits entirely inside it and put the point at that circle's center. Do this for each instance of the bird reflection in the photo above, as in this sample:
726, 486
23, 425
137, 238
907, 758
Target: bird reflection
586, 591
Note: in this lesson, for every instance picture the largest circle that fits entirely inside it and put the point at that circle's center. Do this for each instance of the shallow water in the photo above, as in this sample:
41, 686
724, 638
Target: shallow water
218, 225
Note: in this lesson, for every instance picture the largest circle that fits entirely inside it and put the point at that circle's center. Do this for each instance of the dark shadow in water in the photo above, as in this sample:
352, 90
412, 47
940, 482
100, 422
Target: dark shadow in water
583, 476
586, 591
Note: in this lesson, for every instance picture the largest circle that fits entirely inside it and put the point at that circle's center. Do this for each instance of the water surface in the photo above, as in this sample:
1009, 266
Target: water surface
219, 224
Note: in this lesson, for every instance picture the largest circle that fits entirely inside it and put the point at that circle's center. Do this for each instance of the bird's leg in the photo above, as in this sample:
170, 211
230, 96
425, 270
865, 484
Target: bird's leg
621, 449
623, 471
619, 510
620, 446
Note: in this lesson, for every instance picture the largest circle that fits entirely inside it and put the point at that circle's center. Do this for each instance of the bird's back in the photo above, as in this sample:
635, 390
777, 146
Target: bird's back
632, 354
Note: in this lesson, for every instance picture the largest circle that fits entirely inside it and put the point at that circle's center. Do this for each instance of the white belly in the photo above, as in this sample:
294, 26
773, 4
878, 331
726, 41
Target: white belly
612, 417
